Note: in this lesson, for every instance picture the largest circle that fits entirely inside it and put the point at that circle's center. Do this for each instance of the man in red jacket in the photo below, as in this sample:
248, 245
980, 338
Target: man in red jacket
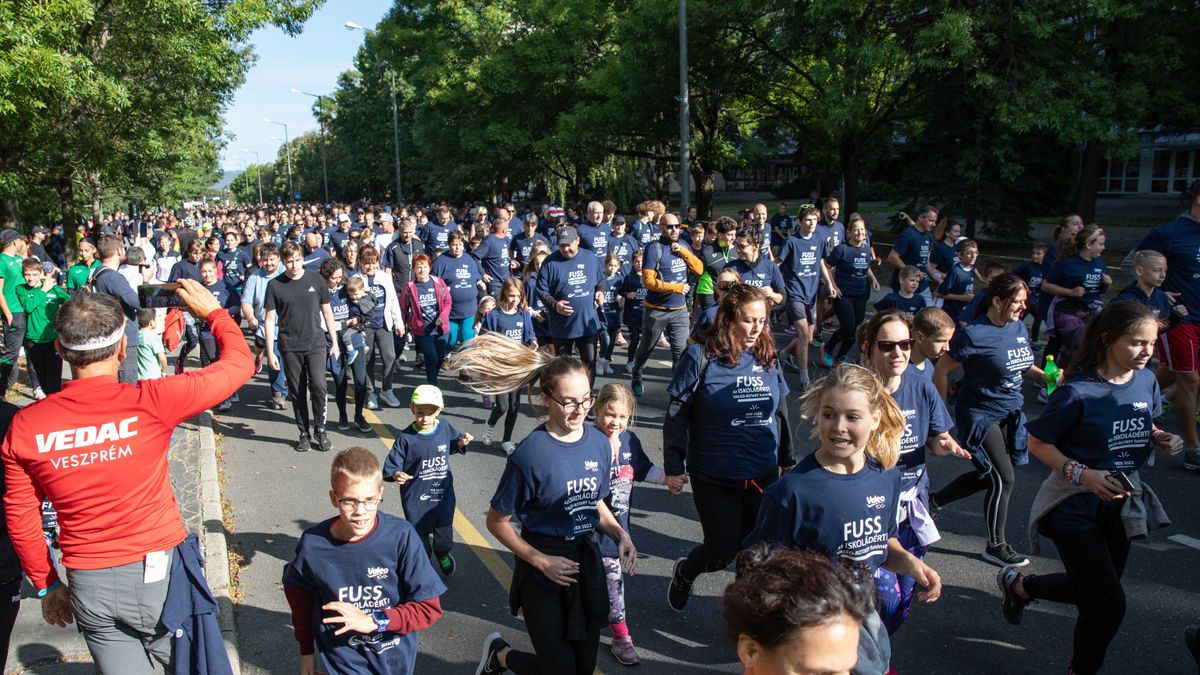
98, 451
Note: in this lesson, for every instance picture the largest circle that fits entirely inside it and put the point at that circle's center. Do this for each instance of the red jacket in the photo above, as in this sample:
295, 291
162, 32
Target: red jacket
413, 319
98, 450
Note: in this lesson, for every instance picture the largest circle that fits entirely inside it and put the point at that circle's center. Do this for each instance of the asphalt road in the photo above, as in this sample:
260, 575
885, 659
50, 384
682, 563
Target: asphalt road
276, 493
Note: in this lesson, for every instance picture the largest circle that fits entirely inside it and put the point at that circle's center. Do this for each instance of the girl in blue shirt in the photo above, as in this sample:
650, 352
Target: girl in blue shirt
995, 356
944, 254
537, 310
510, 319
1099, 422
886, 347
1077, 279
554, 484
728, 418
610, 313
842, 500
850, 262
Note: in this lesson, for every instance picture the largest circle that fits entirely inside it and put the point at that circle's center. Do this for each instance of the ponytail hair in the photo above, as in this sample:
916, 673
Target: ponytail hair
1103, 330
497, 364
1004, 286
884, 445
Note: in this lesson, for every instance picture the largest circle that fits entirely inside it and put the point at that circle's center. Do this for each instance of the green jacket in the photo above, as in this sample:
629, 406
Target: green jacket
40, 308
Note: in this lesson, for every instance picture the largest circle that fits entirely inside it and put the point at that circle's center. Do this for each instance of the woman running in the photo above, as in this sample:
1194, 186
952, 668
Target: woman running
385, 322
461, 273
994, 354
728, 419
1077, 279
510, 319
1095, 433
754, 268
554, 484
426, 304
334, 273
850, 262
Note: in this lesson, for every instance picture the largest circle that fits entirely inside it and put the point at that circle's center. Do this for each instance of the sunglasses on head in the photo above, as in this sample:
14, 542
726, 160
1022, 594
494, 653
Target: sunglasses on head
889, 346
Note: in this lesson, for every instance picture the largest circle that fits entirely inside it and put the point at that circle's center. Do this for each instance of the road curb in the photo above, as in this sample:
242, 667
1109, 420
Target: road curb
212, 535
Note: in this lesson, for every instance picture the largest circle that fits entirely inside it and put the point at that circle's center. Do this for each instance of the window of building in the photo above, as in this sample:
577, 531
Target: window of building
1120, 176
1173, 170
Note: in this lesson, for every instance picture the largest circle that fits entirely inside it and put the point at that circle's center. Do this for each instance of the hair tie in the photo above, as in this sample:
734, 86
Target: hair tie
95, 342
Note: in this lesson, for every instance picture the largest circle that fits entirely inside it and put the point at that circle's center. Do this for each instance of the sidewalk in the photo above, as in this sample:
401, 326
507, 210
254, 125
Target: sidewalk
37, 647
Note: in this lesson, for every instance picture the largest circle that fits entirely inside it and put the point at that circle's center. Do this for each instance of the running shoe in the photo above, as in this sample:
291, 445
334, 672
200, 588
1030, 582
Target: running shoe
489, 661
489, 432
508, 447
38, 394
363, 425
1191, 460
637, 388
304, 444
624, 653
1191, 638
225, 406
1011, 604
789, 362
1004, 555
816, 343
791, 330
680, 589
372, 401
389, 399
343, 425
662, 342
323, 442
826, 358
446, 564
277, 401
258, 359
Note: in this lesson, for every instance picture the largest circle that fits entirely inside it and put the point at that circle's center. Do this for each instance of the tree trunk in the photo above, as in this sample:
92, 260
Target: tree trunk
850, 153
10, 213
70, 219
702, 198
1092, 165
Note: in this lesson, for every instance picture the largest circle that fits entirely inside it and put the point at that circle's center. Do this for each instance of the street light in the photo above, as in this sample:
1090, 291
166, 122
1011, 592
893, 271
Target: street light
257, 171
685, 192
287, 146
324, 168
350, 25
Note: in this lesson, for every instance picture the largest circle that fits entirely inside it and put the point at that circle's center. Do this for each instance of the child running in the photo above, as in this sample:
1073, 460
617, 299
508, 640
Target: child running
906, 299
39, 298
610, 313
360, 587
512, 320
151, 356
842, 500
614, 411
420, 464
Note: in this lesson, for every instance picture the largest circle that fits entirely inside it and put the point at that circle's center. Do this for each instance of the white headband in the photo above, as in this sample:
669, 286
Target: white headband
94, 343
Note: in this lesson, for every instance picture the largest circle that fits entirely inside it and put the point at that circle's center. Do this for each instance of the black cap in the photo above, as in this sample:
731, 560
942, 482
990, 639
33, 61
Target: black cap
9, 235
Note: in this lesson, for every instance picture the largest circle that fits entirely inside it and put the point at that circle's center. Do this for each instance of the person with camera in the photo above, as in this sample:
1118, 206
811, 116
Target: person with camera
98, 451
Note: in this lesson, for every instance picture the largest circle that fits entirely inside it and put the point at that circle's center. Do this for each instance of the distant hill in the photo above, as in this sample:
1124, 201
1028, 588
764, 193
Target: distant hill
225, 180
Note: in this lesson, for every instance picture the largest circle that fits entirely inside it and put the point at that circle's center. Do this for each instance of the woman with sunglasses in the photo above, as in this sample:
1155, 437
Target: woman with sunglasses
728, 418
886, 345
555, 484
994, 354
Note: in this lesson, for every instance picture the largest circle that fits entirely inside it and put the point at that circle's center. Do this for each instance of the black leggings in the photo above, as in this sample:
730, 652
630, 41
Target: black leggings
610, 327
635, 339
1095, 560
357, 370
545, 616
586, 345
850, 313
727, 514
10, 604
509, 403
306, 371
997, 480
46, 365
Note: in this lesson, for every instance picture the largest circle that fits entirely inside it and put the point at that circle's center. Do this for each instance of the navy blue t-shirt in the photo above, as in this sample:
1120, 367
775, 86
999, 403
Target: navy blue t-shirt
516, 326
706, 318
623, 247
924, 414
732, 427
313, 260
611, 285
943, 257
959, 281
552, 486
832, 234
436, 237
1179, 241
800, 264
630, 464
492, 255
913, 247
234, 265
1106, 426
386, 569
762, 274
427, 302
428, 498
185, 269
575, 280
377, 291
894, 300
850, 265
595, 238
848, 517
670, 269
227, 298
994, 360
1032, 274
521, 246
1073, 272
461, 275
1158, 301
633, 313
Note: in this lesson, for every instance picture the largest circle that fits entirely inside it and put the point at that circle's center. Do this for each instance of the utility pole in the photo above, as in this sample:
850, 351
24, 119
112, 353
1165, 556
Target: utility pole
350, 25
287, 146
320, 120
685, 175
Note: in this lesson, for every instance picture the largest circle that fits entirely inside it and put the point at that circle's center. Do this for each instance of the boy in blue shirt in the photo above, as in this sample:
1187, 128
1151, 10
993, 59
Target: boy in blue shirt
906, 299
1150, 267
420, 464
1033, 271
958, 288
361, 586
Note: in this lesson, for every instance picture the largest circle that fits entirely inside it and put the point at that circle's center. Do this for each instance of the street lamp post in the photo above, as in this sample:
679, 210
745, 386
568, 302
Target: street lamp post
257, 171
350, 25
324, 167
287, 146
685, 192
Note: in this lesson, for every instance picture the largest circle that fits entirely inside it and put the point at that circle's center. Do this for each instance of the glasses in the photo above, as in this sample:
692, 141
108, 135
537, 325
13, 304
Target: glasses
889, 346
671, 226
370, 504
571, 406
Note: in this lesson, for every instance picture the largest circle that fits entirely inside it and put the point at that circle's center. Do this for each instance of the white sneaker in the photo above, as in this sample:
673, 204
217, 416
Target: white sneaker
489, 431
508, 447
662, 342
38, 394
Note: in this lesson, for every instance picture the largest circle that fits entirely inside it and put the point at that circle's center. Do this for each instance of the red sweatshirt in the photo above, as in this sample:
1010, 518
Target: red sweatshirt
98, 451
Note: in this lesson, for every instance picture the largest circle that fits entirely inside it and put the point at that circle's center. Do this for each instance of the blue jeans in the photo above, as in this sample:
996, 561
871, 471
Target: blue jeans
461, 330
434, 349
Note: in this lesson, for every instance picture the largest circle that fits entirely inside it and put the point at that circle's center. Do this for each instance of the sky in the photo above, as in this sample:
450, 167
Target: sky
311, 62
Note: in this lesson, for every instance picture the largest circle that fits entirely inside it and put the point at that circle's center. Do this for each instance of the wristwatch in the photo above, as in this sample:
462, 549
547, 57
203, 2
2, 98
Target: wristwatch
381, 621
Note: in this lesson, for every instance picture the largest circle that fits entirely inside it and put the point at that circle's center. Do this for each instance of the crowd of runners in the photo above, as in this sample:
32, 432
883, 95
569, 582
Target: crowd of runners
565, 307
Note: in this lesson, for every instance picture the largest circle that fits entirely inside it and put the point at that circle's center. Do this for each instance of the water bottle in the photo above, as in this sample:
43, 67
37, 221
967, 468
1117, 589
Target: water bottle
1052, 375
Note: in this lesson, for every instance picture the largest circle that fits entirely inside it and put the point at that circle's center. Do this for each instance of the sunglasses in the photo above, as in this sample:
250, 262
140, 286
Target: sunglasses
889, 346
